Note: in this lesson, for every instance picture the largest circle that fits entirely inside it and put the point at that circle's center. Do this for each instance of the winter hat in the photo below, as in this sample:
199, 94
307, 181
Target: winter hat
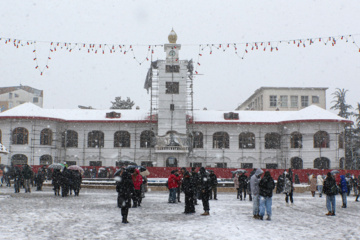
202, 170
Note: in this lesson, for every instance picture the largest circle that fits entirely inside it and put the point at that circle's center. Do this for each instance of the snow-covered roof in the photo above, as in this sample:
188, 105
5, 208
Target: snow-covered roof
309, 114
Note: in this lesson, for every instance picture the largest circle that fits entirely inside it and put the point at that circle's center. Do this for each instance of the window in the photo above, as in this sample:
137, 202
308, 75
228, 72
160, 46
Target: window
272, 141
273, 101
296, 163
341, 163
283, 101
321, 140
304, 101
172, 88
70, 163
294, 101
341, 140
16, 95
172, 68
231, 116
10, 95
69, 137
147, 164
322, 163
171, 162
246, 165
247, 140
122, 139
19, 159
221, 165
271, 166
20, 136
221, 140
46, 137
315, 99
113, 115
196, 164
35, 100
296, 140
95, 163
95, 139
147, 139
198, 140
46, 160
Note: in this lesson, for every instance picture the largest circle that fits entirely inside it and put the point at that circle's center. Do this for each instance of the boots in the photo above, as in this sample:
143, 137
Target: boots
124, 219
343, 206
206, 213
329, 214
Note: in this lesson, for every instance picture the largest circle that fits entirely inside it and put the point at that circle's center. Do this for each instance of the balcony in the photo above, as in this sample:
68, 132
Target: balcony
171, 149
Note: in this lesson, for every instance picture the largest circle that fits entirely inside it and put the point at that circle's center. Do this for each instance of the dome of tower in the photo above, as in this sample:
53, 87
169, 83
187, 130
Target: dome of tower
172, 36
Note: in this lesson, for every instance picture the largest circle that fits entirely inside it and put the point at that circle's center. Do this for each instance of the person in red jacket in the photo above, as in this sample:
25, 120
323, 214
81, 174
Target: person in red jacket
173, 181
137, 180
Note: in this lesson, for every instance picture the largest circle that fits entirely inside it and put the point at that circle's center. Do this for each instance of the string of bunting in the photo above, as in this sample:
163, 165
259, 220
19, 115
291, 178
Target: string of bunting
239, 49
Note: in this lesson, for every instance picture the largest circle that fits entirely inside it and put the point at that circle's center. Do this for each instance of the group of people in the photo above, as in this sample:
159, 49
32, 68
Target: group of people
66, 181
130, 185
200, 185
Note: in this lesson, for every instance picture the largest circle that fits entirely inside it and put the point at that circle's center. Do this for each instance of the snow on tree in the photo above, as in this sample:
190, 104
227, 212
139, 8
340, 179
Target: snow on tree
340, 103
122, 104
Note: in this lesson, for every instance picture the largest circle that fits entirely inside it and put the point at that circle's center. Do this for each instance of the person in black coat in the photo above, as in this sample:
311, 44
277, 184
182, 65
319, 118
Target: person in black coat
56, 176
330, 189
125, 189
195, 177
77, 179
17, 179
266, 186
281, 183
189, 187
65, 182
243, 183
214, 183
205, 189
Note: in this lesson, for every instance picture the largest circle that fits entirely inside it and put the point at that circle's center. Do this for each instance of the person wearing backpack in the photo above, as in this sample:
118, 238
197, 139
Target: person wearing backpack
343, 187
288, 189
330, 189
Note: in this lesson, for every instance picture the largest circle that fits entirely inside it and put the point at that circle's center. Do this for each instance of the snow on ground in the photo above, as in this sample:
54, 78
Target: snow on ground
94, 215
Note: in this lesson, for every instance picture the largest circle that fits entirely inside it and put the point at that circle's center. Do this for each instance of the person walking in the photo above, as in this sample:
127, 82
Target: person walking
243, 185
254, 185
313, 183
125, 189
137, 180
319, 184
195, 177
266, 186
288, 189
330, 189
214, 183
343, 187
27, 174
172, 185
188, 186
205, 190
56, 181
236, 185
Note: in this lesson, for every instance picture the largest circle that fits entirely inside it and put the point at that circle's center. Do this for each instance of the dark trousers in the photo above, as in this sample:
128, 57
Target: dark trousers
241, 190
178, 191
290, 194
205, 200
137, 198
189, 203
213, 190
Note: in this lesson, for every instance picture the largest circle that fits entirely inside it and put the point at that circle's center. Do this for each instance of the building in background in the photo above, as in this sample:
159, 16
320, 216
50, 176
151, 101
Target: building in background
14, 96
173, 134
284, 99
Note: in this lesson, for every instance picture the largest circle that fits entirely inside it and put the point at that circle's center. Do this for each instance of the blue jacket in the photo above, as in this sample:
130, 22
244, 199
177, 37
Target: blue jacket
343, 184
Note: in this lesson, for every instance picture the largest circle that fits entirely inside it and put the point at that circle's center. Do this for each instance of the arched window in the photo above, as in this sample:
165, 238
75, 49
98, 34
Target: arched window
342, 163
221, 140
95, 139
272, 141
46, 160
122, 139
46, 137
321, 140
296, 140
341, 140
171, 162
198, 140
296, 163
322, 163
69, 137
19, 159
20, 136
147, 139
247, 140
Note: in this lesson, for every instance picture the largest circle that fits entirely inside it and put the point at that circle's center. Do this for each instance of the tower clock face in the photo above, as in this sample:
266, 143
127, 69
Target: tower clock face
172, 53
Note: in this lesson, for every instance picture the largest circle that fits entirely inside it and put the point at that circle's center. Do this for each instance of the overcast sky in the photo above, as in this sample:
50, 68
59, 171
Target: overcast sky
79, 78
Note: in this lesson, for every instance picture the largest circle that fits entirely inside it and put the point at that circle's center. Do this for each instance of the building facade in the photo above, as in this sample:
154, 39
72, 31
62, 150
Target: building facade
284, 99
14, 96
171, 133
